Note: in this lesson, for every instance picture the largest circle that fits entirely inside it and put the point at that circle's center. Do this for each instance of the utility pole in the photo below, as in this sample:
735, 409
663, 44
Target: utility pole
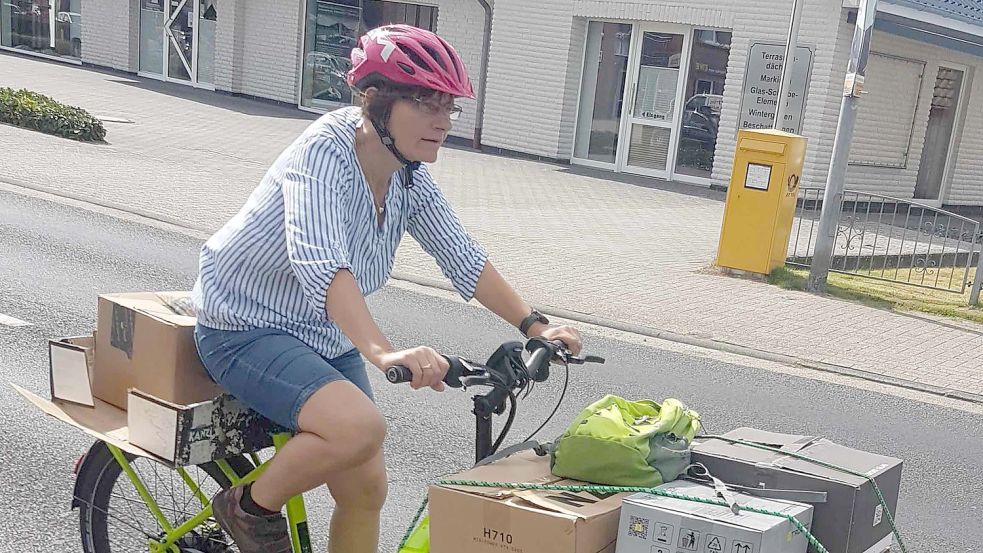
791, 45
853, 86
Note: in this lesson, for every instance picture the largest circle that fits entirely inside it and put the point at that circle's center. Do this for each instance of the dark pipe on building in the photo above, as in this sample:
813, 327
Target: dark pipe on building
479, 117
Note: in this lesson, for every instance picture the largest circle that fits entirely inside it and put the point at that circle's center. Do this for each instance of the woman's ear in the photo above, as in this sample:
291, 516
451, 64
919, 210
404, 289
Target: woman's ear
369, 94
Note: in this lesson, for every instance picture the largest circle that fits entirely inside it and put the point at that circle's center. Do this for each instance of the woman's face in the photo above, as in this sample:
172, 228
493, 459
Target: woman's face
420, 125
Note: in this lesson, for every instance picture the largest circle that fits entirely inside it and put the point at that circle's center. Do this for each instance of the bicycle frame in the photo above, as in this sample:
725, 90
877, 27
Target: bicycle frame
296, 510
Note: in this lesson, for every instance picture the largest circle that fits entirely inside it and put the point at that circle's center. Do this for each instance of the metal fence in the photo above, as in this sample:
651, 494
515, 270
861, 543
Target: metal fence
886, 238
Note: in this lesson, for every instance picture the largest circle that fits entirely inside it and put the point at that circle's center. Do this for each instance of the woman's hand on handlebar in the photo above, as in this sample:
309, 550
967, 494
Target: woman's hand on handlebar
566, 334
428, 366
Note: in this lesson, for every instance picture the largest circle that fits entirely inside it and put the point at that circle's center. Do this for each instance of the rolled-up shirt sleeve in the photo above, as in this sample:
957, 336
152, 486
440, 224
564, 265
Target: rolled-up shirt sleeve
316, 190
438, 230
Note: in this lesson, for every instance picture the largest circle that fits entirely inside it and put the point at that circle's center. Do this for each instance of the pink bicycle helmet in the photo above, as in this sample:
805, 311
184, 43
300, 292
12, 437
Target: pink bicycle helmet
411, 56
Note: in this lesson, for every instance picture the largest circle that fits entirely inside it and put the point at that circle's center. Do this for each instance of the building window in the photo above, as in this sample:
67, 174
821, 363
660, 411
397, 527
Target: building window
50, 27
332, 30
704, 101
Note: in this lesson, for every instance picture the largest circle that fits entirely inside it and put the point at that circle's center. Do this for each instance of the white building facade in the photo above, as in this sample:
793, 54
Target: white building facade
656, 88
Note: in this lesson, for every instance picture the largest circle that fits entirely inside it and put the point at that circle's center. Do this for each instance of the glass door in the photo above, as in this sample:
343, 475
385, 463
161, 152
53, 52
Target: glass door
602, 93
152, 18
653, 111
179, 34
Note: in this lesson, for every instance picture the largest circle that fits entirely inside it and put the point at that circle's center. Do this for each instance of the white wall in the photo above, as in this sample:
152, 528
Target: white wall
527, 75
110, 34
229, 44
967, 176
270, 48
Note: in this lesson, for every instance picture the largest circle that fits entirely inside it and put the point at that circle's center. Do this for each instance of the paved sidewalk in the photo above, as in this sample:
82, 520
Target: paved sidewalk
630, 250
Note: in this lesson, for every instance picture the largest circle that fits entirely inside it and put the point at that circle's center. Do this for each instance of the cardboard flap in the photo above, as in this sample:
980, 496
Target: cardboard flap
104, 421
582, 504
153, 423
70, 362
167, 307
528, 468
524, 467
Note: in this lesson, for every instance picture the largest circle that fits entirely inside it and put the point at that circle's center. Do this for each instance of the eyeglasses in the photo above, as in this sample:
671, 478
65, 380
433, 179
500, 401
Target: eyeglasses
433, 108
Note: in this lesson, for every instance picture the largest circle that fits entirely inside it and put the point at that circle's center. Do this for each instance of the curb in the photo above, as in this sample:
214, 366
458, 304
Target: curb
720, 345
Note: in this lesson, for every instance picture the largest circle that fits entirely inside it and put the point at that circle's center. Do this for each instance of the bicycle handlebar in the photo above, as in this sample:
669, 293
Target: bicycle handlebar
508, 375
543, 352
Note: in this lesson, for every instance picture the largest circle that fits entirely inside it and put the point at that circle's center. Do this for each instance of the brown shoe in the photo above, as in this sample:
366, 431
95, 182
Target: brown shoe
253, 534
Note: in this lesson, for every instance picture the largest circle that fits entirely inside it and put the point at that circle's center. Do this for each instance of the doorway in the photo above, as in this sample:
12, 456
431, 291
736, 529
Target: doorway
650, 99
177, 41
937, 156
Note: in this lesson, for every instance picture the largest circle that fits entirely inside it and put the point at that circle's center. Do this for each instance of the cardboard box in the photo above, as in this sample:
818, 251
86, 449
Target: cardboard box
657, 524
70, 368
231, 430
193, 434
851, 520
486, 520
146, 341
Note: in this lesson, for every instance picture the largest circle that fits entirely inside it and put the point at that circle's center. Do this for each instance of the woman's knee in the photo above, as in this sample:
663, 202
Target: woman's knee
350, 424
366, 437
364, 487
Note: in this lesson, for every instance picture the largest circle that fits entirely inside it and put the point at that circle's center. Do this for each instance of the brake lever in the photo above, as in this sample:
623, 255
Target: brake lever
578, 360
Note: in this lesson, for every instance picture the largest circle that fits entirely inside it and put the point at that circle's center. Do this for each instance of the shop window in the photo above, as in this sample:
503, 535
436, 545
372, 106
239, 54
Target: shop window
704, 99
332, 30
50, 27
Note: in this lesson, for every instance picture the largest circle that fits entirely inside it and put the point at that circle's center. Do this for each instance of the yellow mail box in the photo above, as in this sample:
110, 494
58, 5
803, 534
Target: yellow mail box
764, 185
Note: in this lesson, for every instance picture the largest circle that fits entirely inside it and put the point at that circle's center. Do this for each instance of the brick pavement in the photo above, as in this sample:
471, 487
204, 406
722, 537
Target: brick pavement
622, 249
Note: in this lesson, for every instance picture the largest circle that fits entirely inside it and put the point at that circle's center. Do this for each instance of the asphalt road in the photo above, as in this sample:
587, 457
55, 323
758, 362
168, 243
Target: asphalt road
55, 259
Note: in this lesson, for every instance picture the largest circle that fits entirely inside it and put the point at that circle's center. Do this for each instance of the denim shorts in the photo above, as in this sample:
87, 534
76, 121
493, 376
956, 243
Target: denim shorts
272, 372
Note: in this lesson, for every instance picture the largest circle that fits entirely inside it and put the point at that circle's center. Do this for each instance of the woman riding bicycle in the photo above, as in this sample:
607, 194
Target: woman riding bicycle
282, 320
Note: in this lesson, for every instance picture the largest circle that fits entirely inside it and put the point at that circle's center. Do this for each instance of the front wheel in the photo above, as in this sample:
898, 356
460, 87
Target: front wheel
113, 518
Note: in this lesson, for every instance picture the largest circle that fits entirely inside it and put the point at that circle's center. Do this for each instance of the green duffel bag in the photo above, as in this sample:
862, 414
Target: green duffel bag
619, 442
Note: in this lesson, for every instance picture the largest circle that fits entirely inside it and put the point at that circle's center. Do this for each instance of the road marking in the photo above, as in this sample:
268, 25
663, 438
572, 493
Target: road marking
7, 320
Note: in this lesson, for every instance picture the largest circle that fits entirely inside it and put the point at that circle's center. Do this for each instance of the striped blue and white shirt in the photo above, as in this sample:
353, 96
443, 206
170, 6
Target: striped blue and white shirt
312, 215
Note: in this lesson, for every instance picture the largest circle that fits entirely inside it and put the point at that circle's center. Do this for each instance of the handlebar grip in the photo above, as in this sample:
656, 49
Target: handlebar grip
398, 374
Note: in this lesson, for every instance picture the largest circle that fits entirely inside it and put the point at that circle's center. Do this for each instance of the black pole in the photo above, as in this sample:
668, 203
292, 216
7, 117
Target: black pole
483, 437
482, 428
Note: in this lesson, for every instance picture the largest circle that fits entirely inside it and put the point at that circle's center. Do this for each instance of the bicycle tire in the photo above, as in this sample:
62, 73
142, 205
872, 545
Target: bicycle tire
97, 479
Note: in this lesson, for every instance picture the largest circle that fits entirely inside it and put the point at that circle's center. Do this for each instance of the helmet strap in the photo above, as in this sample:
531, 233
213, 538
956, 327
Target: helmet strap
382, 129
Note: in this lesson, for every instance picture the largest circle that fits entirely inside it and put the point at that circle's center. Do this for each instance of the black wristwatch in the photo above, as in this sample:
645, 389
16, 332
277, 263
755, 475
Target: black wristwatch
531, 318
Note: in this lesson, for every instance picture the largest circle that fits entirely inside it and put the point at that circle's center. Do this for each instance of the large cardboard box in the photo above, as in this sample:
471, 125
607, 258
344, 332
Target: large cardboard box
146, 341
486, 520
657, 524
851, 520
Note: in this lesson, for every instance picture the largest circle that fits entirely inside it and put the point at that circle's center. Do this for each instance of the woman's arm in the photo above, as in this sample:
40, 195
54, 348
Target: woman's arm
347, 308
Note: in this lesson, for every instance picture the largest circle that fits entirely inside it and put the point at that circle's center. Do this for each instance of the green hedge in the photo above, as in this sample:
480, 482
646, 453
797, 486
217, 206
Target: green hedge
24, 108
